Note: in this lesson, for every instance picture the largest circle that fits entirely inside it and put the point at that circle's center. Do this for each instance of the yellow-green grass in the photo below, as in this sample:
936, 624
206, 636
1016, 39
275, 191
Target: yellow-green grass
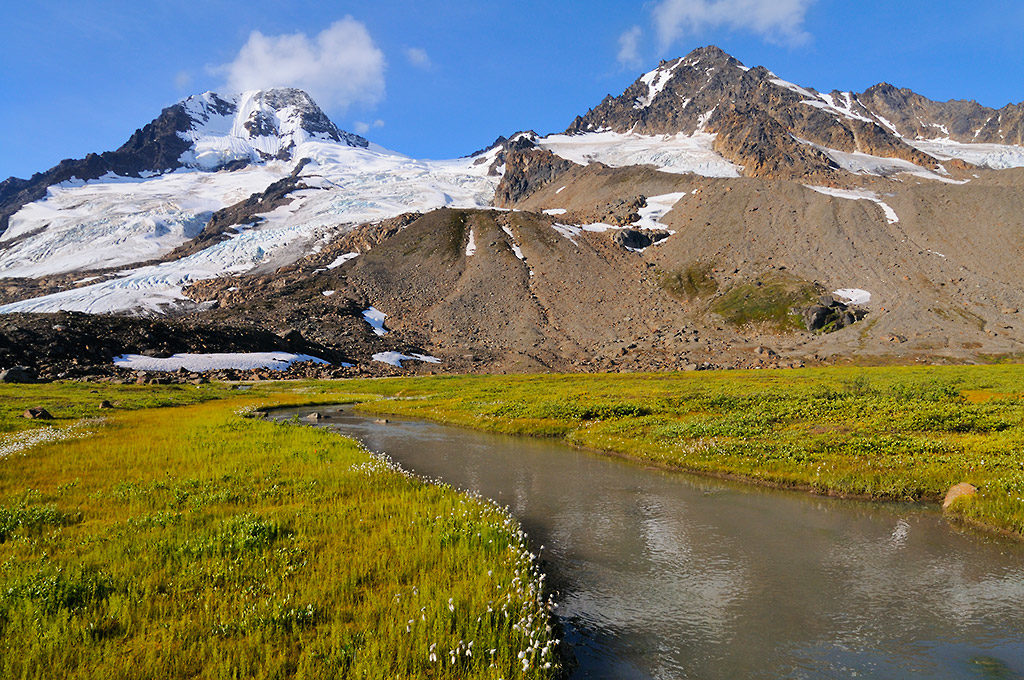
70, 401
193, 542
888, 433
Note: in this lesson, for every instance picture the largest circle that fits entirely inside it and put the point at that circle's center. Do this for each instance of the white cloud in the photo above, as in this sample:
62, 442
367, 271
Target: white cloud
779, 21
418, 57
339, 67
361, 128
182, 80
629, 47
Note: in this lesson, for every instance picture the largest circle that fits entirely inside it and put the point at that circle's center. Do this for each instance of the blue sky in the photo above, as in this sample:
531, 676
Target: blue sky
442, 79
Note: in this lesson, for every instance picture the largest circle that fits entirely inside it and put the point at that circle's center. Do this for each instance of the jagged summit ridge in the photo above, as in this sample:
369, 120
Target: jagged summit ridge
254, 126
775, 128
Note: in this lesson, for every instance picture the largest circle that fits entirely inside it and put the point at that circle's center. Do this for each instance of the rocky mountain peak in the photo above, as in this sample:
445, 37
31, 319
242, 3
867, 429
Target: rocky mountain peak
254, 126
207, 132
753, 114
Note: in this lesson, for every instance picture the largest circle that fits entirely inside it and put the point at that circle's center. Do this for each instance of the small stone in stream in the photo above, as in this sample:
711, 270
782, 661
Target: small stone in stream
314, 417
381, 421
37, 413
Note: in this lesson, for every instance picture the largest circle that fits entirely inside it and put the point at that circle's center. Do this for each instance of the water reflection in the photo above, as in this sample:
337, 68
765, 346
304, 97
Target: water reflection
666, 576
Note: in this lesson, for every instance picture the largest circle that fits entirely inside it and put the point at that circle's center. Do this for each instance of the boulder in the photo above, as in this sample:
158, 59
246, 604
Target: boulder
106, 404
37, 413
958, 491
832, 313
293, 338
314, 417
16, 374
815, 317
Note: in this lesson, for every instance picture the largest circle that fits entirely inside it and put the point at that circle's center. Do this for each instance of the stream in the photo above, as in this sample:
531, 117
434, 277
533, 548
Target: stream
666, 575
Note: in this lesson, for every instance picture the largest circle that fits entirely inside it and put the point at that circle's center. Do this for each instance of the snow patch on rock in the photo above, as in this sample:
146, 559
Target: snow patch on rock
342, 259
275, 361
859, 194
396, 358
679, 154
375, 318
853, 296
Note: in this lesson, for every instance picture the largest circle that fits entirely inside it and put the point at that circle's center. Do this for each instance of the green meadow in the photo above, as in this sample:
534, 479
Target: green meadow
902, 433
186, 540
176, 536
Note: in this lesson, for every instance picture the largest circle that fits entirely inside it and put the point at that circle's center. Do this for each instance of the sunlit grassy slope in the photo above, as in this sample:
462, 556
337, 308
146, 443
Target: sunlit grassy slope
893, 433
183, 540
191, 542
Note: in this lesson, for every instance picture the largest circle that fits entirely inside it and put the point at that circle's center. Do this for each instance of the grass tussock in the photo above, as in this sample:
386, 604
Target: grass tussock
194, 543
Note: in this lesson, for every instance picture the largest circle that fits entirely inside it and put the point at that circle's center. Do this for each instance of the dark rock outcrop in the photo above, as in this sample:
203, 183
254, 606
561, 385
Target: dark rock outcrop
17, 374
526, 171
637, 239
829, 314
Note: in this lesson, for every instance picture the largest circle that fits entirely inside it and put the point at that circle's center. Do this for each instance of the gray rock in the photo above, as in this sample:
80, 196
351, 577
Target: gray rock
634, 238
815, 317
17, 374
37, 413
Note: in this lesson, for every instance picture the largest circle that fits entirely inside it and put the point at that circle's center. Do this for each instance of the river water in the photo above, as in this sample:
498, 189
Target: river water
665, 575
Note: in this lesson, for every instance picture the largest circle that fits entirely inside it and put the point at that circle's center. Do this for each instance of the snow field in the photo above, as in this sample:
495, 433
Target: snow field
994, 156
275, 361
679, 154
359, 185
116, 221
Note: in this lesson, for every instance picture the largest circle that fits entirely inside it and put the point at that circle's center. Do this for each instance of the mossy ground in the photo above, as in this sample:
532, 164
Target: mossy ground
771, 299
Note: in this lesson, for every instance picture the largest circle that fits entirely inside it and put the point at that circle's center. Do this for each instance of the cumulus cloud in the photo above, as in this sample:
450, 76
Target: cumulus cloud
779, 21
418, 57
629, 47
339, 67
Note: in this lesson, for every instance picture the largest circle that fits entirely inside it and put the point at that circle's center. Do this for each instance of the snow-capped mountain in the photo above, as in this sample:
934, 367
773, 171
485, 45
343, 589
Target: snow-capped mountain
700, 185
775, 128
208, 132
254, 126
275, 149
